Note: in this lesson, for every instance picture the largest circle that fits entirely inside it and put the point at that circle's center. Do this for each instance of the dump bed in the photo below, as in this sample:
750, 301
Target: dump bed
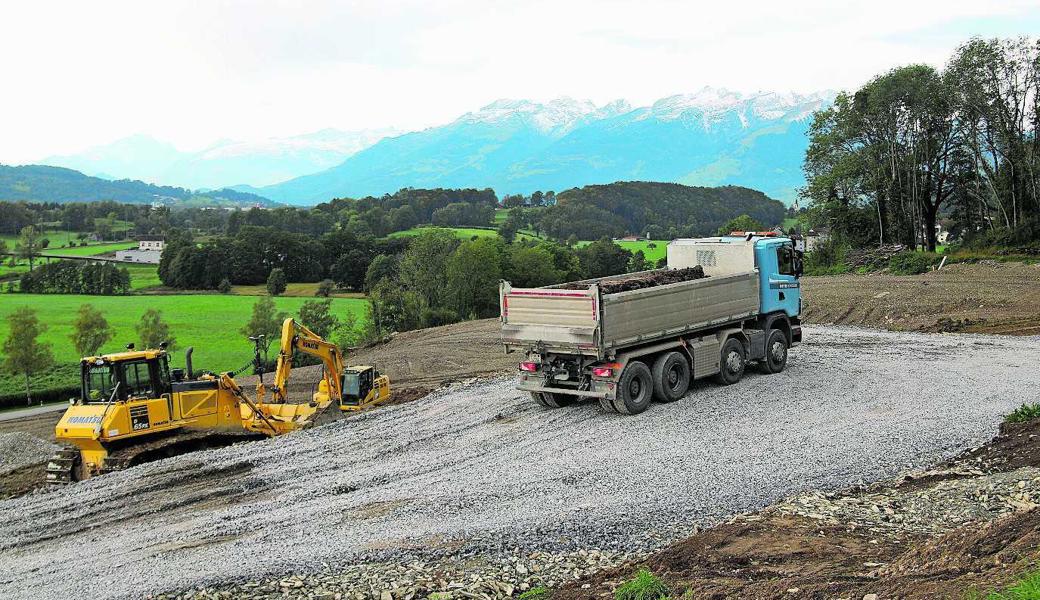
587, 321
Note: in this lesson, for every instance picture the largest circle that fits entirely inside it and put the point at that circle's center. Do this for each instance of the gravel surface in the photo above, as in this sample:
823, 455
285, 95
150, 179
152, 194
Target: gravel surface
480, 470
19, 449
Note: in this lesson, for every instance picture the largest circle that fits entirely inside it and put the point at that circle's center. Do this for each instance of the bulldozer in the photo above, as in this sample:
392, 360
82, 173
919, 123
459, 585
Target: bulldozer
134, 408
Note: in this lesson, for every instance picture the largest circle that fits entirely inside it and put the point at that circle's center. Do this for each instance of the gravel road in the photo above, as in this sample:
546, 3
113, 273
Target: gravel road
478, 469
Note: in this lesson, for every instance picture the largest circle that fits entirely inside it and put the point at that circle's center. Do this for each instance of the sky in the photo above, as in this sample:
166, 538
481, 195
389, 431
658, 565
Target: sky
80, 74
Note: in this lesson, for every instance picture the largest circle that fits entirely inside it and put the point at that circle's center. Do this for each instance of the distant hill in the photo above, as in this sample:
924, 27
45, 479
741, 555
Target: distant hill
710, 138
40, 183
223, 164
666, 210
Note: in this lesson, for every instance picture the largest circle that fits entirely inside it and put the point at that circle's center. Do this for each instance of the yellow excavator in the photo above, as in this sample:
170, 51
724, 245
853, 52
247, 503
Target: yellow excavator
133, 408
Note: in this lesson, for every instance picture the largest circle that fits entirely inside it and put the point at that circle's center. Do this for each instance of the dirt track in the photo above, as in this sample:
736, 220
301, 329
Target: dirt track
994, 297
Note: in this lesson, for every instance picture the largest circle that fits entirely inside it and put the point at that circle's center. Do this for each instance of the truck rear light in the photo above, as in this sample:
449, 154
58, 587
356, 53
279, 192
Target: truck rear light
530, 367
602, 372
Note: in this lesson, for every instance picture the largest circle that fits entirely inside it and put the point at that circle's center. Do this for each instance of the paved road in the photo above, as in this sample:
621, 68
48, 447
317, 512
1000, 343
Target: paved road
481, 470
21, 413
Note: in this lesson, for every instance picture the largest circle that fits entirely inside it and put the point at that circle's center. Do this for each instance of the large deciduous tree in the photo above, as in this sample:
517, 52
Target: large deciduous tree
24, 354
90, 330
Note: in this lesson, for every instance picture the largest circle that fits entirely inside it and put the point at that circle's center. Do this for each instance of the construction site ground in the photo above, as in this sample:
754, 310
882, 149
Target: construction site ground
473, 489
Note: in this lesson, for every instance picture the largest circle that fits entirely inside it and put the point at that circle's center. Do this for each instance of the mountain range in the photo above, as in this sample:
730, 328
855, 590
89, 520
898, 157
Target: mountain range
222, 164
707, 138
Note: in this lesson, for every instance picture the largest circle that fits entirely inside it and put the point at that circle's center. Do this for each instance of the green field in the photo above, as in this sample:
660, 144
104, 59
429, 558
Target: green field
463, 233
209, 322
653, 250
92, 250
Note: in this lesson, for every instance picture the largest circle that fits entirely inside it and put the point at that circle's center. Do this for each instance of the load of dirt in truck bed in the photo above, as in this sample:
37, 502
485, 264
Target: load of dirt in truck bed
643, 280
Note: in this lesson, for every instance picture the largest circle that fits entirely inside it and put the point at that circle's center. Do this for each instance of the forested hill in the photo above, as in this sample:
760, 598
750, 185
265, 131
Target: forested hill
665, 210
38, 183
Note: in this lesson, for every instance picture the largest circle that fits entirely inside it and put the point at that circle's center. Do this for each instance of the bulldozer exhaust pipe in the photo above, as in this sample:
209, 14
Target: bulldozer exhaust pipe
187, 362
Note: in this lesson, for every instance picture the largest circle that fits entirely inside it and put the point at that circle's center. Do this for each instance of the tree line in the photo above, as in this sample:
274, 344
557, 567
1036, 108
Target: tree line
919, 147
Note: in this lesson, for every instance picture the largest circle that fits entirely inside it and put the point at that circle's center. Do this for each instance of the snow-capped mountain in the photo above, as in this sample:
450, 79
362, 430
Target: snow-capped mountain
227, 162
710, 137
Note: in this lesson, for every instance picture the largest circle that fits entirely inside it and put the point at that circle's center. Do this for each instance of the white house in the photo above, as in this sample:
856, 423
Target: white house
149, 250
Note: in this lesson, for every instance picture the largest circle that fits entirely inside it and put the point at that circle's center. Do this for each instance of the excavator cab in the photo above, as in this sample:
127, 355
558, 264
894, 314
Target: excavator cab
363, 386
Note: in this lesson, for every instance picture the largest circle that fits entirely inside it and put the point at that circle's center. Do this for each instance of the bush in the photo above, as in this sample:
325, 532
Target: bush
828, 258
276, 283
644, 586
1026, 412
912, 263
325, 288
538, 593
224, 287
435, 317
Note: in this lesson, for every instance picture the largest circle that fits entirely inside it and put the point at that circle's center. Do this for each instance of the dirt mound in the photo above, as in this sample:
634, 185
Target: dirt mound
19, 449
645, 280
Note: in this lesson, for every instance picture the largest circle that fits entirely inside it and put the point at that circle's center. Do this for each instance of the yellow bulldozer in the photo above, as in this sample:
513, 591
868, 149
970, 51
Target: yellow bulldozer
134, 408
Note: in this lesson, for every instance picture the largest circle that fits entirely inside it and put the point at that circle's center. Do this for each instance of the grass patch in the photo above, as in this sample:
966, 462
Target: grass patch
644, 586
653, 250
93, 250
209, 322
463, 233
537, 593
1026, 588
292, 290
1026, 412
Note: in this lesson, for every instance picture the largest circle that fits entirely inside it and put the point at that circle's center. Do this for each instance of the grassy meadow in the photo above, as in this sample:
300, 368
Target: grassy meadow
209, 322
463, 233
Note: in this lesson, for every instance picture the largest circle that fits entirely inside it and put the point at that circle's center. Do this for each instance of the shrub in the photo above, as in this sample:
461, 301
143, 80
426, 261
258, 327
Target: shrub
224, 287
644, 586
325, 288
1026, 412
276, 282
538, 593
912, 263
435, 317
827, 258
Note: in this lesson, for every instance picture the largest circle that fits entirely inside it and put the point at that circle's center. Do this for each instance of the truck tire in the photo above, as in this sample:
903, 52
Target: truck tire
537, 397
776, 353
671, 373
732, 362
635, 389
556, 400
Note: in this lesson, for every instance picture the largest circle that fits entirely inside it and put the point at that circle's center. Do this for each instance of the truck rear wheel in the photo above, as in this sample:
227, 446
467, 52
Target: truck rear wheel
551, 400
671, 374
732, 363
776, 353
635, 389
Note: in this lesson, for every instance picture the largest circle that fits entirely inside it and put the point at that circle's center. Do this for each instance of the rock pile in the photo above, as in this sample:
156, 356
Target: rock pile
19, 449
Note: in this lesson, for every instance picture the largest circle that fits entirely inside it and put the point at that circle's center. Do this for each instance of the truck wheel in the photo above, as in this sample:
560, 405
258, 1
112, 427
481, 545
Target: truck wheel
635, 389
734, 359
776, 353
556, 400
537, 397
671, 377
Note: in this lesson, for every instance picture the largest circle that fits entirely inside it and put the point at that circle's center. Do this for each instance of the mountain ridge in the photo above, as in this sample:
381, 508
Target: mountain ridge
710, 137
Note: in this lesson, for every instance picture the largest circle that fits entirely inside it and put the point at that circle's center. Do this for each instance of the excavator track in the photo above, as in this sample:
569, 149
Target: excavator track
170, 445
61, 468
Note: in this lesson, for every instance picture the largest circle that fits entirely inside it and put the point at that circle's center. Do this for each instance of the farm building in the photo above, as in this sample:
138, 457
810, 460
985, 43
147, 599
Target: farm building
149, 250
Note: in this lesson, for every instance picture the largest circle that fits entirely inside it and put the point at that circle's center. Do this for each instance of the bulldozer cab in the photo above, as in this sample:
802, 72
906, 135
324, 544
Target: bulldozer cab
129, 374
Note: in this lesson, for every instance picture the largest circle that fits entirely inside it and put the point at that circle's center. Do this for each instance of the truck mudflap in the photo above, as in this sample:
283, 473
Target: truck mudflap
531, 387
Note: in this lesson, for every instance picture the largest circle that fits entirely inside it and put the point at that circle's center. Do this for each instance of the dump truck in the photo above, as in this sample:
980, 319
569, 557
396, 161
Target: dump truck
628, 339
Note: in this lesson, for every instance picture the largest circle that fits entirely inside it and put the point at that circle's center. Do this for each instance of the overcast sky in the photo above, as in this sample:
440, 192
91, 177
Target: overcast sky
77, 74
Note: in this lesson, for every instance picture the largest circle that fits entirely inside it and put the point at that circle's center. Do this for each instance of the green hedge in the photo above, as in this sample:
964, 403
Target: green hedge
912, 263
58, 384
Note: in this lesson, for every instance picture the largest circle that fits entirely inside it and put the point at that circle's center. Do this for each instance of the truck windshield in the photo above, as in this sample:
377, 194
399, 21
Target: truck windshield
351, 384
98, 382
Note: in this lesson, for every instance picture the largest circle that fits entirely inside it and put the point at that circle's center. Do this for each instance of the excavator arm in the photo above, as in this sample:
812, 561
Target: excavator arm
297, 338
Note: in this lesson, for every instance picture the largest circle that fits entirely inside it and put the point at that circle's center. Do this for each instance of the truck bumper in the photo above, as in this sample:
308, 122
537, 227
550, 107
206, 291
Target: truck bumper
531, 387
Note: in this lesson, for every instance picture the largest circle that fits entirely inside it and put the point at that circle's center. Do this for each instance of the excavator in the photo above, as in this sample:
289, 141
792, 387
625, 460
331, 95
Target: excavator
133, 408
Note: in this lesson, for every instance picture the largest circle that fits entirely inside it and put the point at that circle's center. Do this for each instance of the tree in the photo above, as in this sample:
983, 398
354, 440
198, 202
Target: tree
423, 265
24, 354
266, 320
276, 282
224, 287
473, 273
508, 230
29, 245
741, 223
90, 330
531, 266
317, 316
325, 288
382, 267
152, 330
603, 257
